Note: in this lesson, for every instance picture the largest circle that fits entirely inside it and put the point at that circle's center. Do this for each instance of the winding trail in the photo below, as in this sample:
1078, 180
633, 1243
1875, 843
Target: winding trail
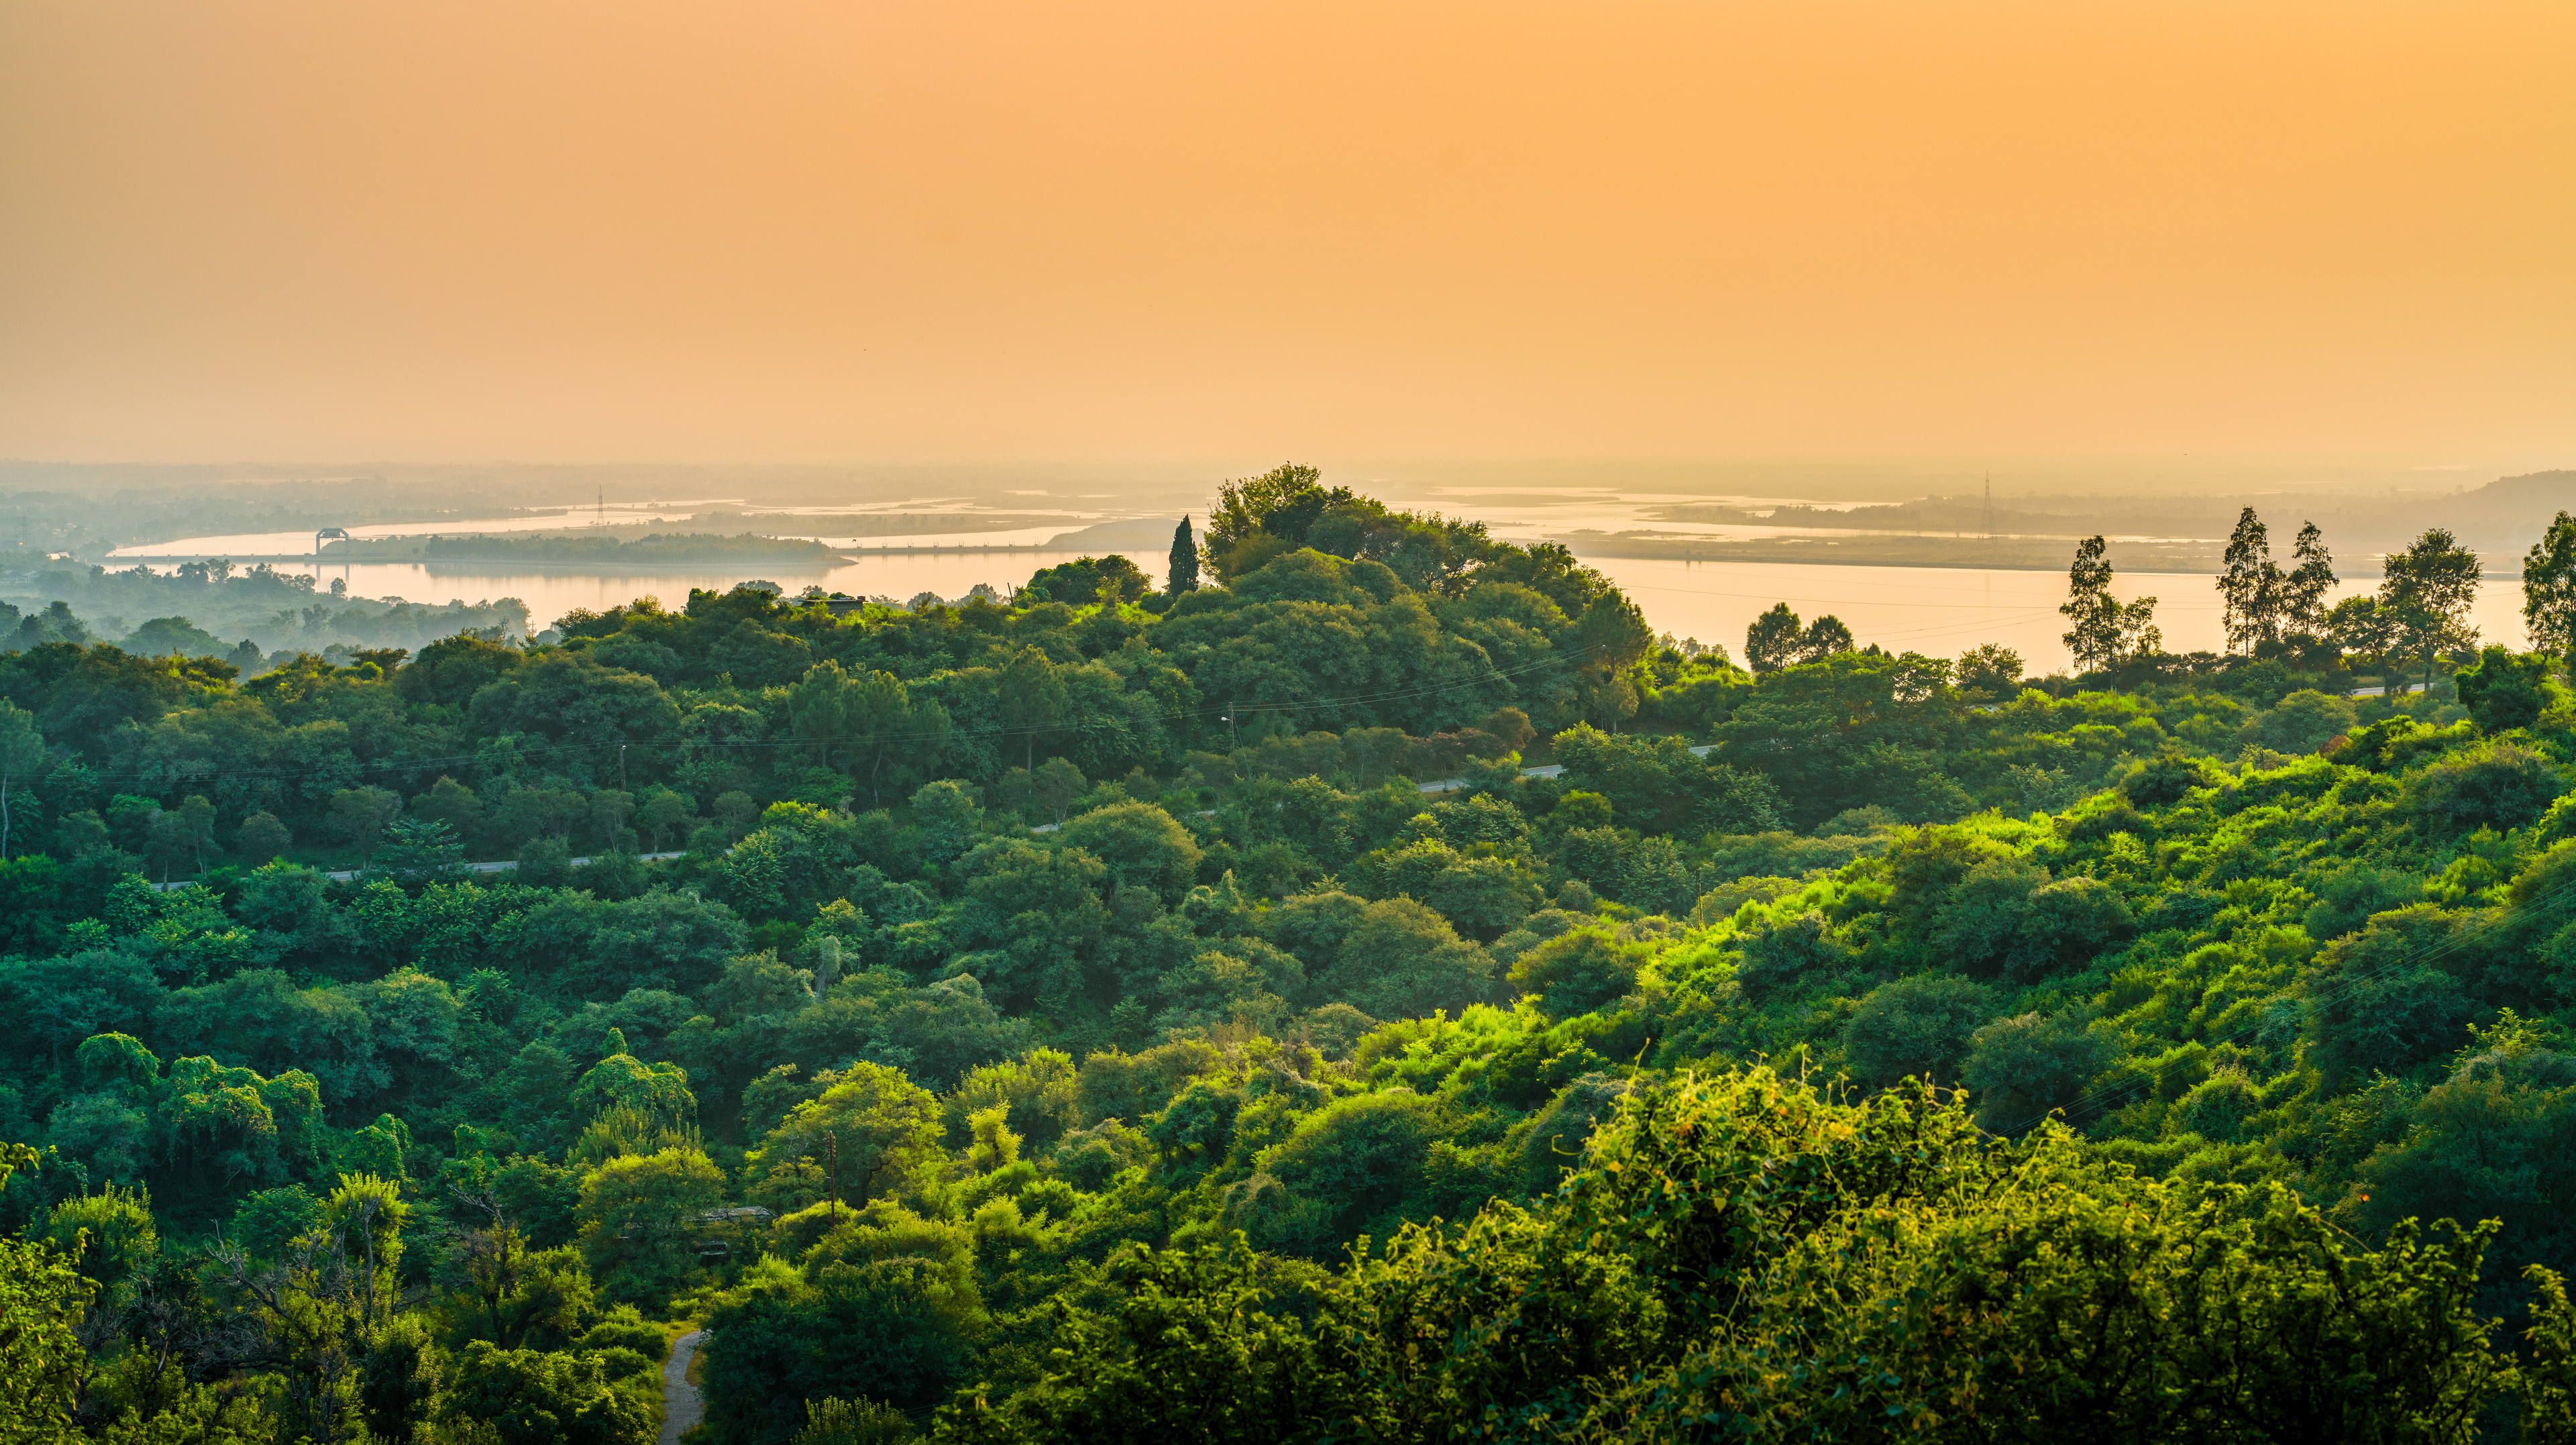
681, 1406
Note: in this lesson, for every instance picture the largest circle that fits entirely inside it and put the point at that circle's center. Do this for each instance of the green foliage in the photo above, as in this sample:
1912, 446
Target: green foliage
527, 1397
42, 1298
859, 1422
1738, 1251
885, 1307
1078, 1003
639, 1221
1190, 1350
1916, 1027
2503, 691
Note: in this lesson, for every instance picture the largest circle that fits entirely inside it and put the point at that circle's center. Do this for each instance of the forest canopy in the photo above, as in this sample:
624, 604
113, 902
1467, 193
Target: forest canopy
1382, 991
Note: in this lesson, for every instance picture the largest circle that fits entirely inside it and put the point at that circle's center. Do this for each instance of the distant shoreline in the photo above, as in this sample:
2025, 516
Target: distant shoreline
852, 556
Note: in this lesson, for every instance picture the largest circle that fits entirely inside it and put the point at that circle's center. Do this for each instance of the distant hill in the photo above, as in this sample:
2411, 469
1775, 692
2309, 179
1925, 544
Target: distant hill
1142, 534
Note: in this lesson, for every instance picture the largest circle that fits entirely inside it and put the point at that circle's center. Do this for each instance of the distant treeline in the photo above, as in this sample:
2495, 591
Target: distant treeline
678, 547
251, 617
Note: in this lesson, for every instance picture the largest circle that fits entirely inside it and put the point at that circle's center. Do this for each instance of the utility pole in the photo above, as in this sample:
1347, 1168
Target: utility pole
621, 767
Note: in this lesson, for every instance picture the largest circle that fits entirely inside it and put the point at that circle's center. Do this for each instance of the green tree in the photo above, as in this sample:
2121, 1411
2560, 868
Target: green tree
1194, 1344
888, 723
1183, 576
418, 849
401, 1379
1403, 960
2106, 632
2549, 1374
261, 838
514, 1296
1143, 847
821, 709
451, 802
42, 1300
876, 1128
1033, 699
1916, 1027
639, 1221
2020, 1068
2359, 627
321, 1308
529, 1397
22, 761
2504, 692
889, 1308
1823, 638
1772, 641
2425, 593
1577, 972
358, 815
664, 813
2549, 589
2302, 598
1284, 502
2250, 587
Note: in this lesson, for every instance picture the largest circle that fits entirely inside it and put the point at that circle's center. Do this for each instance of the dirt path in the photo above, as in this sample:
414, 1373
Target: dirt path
680, 1404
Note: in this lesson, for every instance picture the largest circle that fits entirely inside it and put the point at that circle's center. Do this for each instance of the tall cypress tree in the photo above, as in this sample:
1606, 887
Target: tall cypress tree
1184, 575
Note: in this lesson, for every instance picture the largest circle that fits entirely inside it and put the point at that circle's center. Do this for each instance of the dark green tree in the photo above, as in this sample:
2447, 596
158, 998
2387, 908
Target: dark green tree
1773, 641
2504, 692
1823, 638
1033, 699
2549, 589
2105, 631
2425, 592
22, 761
2303, 592
2250, 587
1184, 574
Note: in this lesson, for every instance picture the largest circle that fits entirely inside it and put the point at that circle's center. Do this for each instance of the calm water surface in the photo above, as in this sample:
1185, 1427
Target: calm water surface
1940, 611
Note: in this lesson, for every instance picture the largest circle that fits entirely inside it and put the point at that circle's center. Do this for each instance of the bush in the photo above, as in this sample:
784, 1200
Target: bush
2371, 1006
2303, 722
1576, 972
2163, 780
2504, 692
1359, 1158
2499, 785
1915, 1027
625, 1329
2020, 1069
1779, 954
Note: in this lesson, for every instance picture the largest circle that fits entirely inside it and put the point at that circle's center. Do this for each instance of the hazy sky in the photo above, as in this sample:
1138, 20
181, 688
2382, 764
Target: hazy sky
564, 229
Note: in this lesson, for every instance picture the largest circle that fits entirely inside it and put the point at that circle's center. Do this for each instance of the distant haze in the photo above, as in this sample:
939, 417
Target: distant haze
1153, 230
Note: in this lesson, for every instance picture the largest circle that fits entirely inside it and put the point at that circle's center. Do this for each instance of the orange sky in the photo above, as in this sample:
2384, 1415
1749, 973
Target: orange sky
544, 229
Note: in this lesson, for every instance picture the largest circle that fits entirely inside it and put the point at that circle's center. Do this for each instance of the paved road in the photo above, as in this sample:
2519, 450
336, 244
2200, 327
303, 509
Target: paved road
680, 1404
